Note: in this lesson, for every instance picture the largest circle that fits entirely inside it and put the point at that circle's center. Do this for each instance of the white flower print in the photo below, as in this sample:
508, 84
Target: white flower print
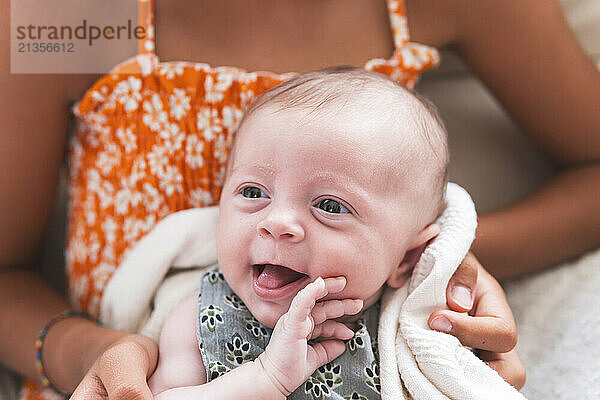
221, 146
149, 223
400, 27
77, 250
201, 67
78, 287
215, 91
409, 59
76, 157
124, 198
248, 78
173, 137
98, 130
105, 195
138, 172
135, 228
99, 96
110, 229
179, 104
171, 70
101, 274
246, 96
97, 120
220, 176
151, 198
89, 207
108, 159
224, 81
128, 93
108, 253
200, 198
157, 159
93, 248
154, 116
93, 180
146, 61
132, 229
104, 190
170, 180
128, 139
127, 194
231, 117
193, 152
208, 122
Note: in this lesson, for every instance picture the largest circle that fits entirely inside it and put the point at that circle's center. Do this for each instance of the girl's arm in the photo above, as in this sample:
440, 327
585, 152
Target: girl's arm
526, 54
33, 127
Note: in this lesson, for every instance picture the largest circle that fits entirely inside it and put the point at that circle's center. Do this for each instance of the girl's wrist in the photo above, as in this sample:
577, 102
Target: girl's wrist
71, 347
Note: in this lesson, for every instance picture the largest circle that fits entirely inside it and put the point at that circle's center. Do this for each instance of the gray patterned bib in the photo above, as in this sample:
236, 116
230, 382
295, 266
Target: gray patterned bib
228, 336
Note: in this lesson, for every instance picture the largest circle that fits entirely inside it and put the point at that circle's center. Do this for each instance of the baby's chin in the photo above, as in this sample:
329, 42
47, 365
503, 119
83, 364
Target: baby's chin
267, 314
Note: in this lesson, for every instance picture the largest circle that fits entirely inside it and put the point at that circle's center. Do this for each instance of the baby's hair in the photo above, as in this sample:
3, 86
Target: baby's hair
329, 90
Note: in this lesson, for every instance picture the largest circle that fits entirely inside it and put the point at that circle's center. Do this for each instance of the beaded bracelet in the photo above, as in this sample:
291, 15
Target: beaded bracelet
39, 345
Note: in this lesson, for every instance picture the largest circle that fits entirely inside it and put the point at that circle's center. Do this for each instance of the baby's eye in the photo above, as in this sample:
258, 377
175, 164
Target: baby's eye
332, 206
252, 192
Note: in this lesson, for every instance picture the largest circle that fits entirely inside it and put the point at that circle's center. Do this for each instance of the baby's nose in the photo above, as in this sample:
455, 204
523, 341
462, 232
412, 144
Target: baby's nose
281, 226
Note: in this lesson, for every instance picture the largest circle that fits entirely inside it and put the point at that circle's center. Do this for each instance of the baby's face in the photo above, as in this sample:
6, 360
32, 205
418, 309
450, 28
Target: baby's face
309, 199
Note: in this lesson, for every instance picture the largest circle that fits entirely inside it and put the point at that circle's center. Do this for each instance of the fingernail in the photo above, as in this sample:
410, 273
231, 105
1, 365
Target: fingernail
441, 324
462, 296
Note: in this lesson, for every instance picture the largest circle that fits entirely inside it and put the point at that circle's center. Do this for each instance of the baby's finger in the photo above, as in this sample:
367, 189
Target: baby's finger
335, 285
325, 352
304, 301
332, 329
334, 309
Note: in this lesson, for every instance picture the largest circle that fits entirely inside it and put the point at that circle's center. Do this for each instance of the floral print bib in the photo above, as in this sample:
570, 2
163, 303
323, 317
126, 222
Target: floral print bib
229, 336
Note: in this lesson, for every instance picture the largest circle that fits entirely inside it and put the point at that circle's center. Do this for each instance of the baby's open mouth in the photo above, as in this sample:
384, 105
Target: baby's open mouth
277, 281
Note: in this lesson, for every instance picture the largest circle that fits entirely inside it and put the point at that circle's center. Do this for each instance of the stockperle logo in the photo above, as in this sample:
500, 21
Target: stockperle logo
74, 36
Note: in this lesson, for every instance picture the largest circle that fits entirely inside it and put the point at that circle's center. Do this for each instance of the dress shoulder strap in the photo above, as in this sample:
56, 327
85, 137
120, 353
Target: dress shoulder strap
398, 22
146, 20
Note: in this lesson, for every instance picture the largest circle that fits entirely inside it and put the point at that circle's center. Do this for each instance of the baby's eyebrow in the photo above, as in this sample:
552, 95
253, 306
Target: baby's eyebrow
263, 169
342, 182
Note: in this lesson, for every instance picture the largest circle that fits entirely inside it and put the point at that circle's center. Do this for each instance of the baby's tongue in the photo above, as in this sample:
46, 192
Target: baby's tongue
273, 277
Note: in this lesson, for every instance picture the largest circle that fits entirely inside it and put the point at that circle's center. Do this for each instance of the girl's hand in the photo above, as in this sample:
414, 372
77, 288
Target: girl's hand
289, 360
121, 372
488, 327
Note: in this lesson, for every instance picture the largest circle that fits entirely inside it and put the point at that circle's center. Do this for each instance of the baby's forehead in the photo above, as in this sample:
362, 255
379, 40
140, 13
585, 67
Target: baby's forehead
380, 143
390, 127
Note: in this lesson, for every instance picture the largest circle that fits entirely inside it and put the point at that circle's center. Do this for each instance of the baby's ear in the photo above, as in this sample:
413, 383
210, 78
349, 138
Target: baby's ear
412, 255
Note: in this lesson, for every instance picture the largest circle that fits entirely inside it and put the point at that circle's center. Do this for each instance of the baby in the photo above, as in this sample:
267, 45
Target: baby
333, 185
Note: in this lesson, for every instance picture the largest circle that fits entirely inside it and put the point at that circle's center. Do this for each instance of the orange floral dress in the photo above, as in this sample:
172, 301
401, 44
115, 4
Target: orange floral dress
152, 138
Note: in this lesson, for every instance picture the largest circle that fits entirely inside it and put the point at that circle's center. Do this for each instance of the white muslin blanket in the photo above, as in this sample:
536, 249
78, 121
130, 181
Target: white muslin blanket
415, 362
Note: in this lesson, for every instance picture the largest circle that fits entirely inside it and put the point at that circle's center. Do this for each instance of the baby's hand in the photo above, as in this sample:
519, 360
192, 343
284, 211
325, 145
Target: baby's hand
288, 360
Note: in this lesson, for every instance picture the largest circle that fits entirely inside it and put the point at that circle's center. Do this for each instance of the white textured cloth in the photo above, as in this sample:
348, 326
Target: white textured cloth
140, 295
415, 362
558, 319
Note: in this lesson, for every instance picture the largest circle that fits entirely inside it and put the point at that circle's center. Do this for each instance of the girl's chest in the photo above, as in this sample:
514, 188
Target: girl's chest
273, 35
